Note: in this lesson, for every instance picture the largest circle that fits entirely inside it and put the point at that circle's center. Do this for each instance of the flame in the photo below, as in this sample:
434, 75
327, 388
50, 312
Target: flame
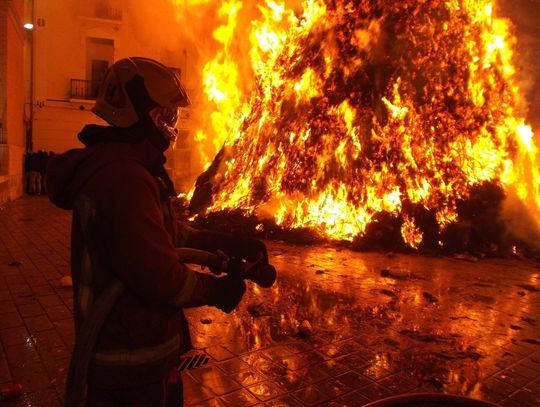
341, 110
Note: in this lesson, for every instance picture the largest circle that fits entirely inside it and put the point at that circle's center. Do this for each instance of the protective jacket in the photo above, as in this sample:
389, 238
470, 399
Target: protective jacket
122, 228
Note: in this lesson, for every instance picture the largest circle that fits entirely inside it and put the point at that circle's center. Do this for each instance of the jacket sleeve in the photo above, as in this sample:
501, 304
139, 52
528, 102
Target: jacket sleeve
232, 244
141, 250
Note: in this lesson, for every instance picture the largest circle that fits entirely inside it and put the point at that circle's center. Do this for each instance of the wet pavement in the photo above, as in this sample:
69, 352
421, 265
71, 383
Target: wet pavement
339, 328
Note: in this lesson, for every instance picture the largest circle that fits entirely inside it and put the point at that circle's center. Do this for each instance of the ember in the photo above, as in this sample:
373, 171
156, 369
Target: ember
393, 124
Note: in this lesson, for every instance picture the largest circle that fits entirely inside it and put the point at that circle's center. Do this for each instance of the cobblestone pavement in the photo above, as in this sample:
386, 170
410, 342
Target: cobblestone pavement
338, 329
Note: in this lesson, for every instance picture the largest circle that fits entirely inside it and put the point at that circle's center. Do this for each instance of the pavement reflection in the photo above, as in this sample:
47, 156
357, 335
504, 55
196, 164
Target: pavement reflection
399, 321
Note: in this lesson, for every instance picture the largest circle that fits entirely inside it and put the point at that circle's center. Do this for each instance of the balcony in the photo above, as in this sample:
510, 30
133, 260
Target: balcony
108, 12
84, 89
102, 10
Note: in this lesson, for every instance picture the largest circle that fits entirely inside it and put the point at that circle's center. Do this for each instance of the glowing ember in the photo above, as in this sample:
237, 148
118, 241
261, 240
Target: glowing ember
360, 107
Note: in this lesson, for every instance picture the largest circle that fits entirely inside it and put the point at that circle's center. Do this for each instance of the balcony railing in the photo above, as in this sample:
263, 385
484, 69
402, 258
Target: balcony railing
110, 10
84, 89
105, 11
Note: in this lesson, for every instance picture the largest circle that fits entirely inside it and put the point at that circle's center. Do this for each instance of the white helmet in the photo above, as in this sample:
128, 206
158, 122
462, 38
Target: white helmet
134, 87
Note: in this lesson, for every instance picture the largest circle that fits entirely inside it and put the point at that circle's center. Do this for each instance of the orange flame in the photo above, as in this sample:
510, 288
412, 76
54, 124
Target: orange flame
339, 112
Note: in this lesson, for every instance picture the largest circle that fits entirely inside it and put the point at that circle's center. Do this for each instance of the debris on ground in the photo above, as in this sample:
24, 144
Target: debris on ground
397, 275
438, 383
531, 341
401, 275
423, 337
430, 297
529, 287
66, 281
388, 293
455, 354
465, 257
258, 309
462, 317
255, 309
305, 329
530, 321
486, 299
391, 342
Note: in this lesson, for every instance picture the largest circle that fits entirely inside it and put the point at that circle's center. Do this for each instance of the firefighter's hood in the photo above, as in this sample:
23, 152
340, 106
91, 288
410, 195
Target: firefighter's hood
67, 173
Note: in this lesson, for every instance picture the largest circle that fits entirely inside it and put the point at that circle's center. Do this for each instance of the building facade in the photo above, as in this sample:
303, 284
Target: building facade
12, 109
74, 43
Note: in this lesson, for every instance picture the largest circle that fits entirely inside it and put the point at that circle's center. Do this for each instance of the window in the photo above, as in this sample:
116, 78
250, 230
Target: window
99, 56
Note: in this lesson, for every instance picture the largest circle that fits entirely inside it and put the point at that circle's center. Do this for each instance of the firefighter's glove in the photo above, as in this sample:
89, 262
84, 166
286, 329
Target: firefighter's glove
249, 248
227, 292
258, 250
232, 245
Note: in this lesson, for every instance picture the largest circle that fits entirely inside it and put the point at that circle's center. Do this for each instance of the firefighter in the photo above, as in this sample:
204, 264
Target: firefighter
123, 232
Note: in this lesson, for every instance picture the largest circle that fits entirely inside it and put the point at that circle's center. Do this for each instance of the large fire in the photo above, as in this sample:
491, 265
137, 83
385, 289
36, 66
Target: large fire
333, 111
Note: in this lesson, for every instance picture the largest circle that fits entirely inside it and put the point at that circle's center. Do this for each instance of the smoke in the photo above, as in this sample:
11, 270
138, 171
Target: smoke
174, 33
525, 16
522, 217
521, 222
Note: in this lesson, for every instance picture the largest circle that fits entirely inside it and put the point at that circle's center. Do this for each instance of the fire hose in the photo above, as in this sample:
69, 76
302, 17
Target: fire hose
260, 272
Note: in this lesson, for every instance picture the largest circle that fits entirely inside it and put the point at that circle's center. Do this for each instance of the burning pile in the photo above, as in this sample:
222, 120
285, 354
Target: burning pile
371, 118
